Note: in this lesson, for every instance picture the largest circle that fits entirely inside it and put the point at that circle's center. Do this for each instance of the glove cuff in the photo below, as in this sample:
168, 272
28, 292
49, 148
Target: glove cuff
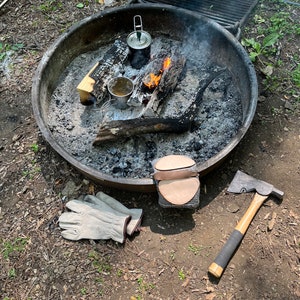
135, 213
135, 222
118, 230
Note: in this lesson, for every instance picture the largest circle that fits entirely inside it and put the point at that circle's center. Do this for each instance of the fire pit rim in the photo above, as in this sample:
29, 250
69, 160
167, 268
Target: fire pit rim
138, 184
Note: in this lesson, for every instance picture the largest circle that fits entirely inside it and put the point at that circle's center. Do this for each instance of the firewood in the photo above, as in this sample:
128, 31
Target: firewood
113, 130
142, 93
117, 129
93, 85
168, 70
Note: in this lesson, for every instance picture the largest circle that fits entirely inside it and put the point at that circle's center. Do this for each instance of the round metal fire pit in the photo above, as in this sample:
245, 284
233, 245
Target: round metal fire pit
103, 28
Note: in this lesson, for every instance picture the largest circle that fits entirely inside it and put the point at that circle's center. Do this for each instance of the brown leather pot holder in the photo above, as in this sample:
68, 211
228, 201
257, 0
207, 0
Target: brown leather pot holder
177, 181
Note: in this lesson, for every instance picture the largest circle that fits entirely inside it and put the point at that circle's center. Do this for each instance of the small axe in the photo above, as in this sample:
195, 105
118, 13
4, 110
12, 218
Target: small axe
242, 183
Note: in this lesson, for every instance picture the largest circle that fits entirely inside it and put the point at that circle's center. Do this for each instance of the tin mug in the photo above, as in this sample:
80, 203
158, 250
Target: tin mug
120, 90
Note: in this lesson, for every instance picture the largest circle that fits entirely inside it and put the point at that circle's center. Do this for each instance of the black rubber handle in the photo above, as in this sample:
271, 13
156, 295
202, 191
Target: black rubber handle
226, 253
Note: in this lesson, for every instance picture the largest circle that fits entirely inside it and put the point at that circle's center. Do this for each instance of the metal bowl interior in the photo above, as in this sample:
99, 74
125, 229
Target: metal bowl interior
104, 28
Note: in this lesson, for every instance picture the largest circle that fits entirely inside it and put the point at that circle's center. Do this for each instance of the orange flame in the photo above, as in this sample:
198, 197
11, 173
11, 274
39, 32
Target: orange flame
153, 80
167, 63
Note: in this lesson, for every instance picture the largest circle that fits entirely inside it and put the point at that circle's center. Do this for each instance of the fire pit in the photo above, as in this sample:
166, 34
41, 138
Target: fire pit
204, 114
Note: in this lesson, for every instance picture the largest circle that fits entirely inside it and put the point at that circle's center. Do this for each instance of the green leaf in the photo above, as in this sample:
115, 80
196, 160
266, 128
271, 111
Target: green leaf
17, 47
257, 47
80, 5
253, 56
248, 42
270, 39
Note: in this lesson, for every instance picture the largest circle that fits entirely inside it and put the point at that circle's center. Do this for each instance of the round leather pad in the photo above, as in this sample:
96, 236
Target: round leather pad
172, 162
180, 191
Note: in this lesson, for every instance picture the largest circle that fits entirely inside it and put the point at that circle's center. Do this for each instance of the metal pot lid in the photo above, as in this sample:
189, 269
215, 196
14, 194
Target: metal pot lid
139, 39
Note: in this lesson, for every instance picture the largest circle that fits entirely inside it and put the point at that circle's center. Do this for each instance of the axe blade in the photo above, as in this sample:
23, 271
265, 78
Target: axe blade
244, 183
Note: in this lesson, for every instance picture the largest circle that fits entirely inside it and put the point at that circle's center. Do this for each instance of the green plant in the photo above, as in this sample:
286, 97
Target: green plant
10, 247
181, 274
172, 255
258, 48
80, 5
5, 49
32, 170
50, 5
35, 147
296, 76
143, 286
195, 249
12, 273
83, 291
100, 263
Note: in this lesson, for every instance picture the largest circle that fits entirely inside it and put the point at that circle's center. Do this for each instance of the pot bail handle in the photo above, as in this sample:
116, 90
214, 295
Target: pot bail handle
138, 26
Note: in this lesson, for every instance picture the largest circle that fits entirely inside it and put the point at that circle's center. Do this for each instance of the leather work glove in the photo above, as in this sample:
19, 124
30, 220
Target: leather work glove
86, 221
135, 213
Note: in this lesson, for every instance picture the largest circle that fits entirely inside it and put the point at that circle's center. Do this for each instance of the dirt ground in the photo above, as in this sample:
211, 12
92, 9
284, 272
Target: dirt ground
170, 256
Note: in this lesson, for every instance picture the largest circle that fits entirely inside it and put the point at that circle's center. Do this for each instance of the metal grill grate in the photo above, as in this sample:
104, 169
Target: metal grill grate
227, 13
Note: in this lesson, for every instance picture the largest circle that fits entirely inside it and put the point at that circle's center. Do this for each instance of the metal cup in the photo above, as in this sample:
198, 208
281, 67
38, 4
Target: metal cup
120, 89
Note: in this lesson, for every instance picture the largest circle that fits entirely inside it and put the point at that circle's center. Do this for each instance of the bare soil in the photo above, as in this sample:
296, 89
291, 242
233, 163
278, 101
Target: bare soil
170, 256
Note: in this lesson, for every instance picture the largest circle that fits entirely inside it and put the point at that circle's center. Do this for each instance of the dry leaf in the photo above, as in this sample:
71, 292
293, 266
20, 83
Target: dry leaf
210, 296
186, 282
293, 215
271, 223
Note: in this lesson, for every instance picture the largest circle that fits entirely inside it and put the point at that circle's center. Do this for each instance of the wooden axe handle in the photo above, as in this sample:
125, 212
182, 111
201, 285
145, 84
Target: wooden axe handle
221, 261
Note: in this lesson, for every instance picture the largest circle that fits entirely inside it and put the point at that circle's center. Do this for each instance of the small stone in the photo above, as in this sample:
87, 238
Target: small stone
69, 189
233, 208
85, 181
219, 209
48, 200
261, 98
70, 269
288, 105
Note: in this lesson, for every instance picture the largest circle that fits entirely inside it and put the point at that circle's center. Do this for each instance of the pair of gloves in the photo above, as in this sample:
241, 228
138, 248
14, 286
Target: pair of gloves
99, 217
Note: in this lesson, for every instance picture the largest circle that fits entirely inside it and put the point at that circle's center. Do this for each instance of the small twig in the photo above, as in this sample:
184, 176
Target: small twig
3, 3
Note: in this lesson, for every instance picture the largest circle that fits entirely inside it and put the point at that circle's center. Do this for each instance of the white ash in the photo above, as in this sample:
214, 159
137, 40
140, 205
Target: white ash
75, 126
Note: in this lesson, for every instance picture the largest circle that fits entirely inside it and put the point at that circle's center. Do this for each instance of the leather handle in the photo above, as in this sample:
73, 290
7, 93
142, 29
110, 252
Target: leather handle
221, 261
174, 174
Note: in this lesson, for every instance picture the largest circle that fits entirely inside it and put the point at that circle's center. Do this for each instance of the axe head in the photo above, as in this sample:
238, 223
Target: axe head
243, 183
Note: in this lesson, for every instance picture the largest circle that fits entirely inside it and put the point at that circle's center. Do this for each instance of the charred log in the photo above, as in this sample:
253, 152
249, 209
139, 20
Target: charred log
114, 130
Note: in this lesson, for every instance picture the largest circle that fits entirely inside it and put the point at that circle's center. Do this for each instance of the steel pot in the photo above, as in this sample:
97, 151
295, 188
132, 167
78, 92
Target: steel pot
139, 44
104, 28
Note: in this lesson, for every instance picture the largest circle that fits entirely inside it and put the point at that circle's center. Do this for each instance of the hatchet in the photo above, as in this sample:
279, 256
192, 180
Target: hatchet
242, 183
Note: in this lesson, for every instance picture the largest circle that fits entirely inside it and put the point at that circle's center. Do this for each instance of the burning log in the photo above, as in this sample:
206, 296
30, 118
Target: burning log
116, 129
159, 80
93, 85
142, 93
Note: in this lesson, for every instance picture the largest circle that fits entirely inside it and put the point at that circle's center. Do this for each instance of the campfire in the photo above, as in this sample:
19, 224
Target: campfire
154, 80
178, 102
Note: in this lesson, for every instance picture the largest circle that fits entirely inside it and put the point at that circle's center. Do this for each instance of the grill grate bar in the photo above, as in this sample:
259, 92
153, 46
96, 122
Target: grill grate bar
226, 13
